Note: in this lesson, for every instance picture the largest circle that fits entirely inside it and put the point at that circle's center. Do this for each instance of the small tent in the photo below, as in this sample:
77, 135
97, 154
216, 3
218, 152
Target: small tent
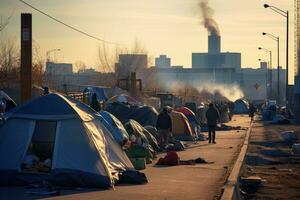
241, 107
188, 113
56, 127
133, 127
115, 127
181, 128
144, 115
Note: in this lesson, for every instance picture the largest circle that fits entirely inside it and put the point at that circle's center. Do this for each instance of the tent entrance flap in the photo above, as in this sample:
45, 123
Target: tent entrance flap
38, 157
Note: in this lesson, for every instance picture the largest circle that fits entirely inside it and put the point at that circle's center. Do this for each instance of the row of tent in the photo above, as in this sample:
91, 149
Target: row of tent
84, 151
184, 120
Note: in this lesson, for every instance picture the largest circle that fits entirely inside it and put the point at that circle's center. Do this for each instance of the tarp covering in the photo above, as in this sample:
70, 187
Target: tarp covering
180, 126
115, 127
84, 152
124, 98
241, 107
9, 102
144, 115
99, 91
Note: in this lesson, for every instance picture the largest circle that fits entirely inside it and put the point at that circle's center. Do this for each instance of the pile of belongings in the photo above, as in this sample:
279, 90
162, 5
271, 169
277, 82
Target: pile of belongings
280, 119
222, 127
76, 148
288, 136
144, 115
143, 146
269, 112
175, 145
172, 159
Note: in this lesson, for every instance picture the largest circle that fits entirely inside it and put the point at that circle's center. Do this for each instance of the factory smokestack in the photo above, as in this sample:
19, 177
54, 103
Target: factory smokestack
214, 39
206, 18
214, 44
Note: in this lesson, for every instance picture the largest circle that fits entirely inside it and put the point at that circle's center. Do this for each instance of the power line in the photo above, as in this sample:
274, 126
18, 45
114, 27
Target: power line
67, 25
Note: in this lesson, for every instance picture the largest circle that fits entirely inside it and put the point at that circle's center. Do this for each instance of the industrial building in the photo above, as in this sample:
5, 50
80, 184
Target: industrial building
214, 58
223, 68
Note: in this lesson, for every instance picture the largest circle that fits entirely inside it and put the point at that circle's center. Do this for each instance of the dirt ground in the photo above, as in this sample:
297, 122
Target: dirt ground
271, 158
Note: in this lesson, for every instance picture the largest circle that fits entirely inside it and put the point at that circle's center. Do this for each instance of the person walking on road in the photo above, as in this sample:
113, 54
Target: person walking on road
212, 118
252, 110
164, 127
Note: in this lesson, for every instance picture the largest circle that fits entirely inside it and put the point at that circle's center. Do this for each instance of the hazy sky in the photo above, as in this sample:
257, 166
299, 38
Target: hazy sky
169, 27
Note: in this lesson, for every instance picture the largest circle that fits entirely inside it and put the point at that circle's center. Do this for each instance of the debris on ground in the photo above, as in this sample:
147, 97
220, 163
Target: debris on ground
280, 119
288, 135
172, 159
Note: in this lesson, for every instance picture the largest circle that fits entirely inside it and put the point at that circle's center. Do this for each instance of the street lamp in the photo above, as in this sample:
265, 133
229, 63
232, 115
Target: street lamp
270, 70
286, 15
278, 56
48, 53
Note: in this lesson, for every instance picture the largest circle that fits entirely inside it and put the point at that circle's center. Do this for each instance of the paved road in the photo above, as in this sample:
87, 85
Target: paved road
203, 181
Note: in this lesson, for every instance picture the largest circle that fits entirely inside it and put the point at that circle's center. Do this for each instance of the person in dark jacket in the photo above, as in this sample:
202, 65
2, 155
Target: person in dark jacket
252, 110
95, 103
212, 118
164, 127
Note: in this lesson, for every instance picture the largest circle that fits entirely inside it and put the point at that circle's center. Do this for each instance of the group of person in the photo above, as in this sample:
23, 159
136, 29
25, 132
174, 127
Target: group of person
212, 115
164, 124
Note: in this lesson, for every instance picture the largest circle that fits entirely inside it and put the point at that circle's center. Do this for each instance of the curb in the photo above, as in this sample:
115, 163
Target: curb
231, 187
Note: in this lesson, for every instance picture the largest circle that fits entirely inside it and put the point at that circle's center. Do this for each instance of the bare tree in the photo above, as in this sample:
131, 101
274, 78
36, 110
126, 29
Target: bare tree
4, 22
9, 63
79, 66
38, 72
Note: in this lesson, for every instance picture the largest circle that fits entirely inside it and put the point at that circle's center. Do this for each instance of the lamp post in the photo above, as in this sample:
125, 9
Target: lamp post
270, 69
278, 56
48, 53
286, 15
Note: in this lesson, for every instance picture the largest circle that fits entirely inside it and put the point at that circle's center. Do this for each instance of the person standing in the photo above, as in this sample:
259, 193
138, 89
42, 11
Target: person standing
252, 110
164, 127
95, 103
212, 118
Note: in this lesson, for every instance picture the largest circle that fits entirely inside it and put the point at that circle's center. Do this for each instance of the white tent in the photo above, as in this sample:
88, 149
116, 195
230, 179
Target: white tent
82, 151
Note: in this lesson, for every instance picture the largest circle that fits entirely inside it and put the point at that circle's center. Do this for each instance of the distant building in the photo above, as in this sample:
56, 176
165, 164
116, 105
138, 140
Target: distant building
131, 63
59, 68
163, 62
263, 65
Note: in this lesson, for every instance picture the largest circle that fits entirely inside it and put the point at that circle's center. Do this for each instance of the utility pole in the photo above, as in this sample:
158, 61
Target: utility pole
26, 56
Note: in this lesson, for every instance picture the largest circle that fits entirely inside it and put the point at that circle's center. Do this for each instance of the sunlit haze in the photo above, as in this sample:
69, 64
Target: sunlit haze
170, 27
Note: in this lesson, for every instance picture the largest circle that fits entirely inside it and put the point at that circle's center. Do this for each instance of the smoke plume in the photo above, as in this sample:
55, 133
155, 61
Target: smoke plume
200, 91
207, 18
